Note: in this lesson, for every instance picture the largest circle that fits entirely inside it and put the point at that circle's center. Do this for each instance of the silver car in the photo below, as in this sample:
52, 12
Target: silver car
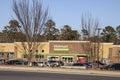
42, 64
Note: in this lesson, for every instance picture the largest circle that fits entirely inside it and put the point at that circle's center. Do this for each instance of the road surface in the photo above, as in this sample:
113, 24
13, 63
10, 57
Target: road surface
20, 75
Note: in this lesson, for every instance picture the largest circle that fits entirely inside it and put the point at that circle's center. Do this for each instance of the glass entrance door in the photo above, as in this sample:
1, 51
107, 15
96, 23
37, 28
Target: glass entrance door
67, 59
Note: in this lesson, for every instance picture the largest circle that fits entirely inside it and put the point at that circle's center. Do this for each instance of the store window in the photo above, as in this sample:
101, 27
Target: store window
67, 59
1, 55
53, 58
39, 57
10, 55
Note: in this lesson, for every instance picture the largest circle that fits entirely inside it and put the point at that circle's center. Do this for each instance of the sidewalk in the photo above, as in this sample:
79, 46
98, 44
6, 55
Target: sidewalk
60, 70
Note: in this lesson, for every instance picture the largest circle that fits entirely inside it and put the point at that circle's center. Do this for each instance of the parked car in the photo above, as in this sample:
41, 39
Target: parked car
34, 63
88, 65
114, 66
42, 64
16, 62
61, 63
99, 64
55, 63
2, 61
82, 65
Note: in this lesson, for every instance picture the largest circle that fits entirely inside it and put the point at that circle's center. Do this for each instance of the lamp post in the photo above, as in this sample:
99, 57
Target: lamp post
98, 45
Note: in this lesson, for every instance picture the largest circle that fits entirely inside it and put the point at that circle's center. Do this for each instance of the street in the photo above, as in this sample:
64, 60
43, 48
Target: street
20, 75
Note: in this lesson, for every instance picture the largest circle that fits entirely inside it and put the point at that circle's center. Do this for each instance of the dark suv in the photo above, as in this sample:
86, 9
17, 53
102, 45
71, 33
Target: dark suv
16, 62
114, 66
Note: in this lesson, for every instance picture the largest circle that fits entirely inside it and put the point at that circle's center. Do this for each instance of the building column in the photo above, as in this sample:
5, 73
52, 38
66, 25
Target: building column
75, 58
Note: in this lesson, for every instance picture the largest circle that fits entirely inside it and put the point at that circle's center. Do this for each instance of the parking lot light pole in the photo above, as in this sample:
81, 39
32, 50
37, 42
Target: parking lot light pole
98, 46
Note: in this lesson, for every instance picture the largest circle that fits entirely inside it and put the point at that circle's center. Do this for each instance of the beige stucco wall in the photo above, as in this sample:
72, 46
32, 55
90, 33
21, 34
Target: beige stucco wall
43, 46
20, 51
104, 49
6, 47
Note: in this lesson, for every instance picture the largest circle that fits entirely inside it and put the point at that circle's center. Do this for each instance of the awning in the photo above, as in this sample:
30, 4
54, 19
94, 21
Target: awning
67, 55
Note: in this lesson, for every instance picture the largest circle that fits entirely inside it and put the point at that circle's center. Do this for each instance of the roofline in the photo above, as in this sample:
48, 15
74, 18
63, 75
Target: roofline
116, 46
70, 41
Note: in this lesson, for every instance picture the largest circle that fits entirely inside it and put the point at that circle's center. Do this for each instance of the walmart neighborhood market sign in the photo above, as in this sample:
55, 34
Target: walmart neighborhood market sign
61, 48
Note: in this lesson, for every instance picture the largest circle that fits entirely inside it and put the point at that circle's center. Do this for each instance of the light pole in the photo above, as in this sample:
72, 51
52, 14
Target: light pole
98, 48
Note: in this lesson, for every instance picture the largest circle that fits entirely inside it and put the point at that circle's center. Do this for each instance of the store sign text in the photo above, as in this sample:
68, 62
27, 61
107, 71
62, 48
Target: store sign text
61, 48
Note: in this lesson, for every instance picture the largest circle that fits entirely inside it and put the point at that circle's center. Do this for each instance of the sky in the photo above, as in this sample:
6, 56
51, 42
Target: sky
69, 12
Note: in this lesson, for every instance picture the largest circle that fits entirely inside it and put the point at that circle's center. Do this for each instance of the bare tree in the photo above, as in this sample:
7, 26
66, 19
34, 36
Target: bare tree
89, 31
31, 17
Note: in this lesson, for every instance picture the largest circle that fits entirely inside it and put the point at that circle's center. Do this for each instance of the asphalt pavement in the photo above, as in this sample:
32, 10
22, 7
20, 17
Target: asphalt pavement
60, 70
20, 75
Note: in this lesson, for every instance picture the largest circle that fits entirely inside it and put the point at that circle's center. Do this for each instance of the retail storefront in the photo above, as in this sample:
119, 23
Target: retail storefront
67, 58
67, 51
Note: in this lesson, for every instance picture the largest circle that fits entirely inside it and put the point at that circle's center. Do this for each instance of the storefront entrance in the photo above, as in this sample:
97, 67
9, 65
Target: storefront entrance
10, 56
67, 59
7, 55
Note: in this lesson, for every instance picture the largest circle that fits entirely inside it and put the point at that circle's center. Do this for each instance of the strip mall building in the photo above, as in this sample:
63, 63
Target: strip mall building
67, 51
